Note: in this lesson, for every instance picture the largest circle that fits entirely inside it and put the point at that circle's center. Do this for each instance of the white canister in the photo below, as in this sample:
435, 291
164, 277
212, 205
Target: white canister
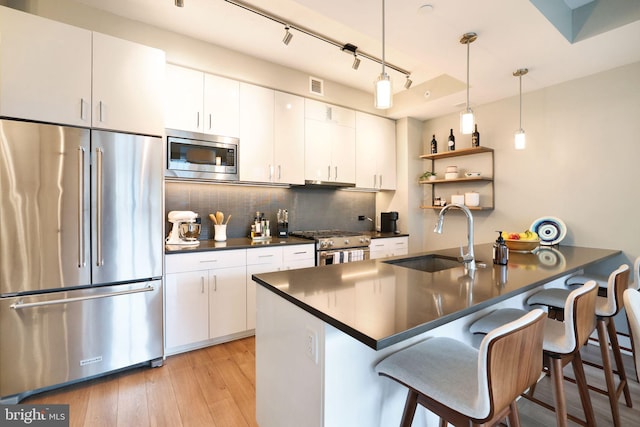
220, 231
457, 199
472, 198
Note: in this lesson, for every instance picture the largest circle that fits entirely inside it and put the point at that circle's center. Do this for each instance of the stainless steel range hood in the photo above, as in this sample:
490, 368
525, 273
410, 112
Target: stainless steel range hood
327, 184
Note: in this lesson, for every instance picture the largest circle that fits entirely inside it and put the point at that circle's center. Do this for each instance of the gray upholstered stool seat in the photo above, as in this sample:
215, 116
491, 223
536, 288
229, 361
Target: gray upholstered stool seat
463, 385
561, 345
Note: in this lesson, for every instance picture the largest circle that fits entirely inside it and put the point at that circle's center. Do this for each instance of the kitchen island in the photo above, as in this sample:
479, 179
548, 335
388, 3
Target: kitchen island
321, 331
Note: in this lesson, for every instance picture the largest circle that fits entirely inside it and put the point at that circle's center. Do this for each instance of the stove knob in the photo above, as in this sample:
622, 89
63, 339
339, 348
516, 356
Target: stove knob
364, 240
330, 243
346, 241
323, 244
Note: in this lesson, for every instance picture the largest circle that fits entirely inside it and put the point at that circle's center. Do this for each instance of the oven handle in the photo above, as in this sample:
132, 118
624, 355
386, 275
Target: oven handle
20, 305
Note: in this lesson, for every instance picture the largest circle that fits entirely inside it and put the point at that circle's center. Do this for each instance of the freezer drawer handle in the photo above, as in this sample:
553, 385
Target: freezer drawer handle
20, 305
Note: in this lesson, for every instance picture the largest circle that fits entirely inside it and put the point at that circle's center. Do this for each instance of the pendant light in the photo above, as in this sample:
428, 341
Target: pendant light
466, 117
383, 90
520, 139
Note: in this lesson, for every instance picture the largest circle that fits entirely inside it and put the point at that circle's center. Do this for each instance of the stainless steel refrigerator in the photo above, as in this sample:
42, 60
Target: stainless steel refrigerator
80, 254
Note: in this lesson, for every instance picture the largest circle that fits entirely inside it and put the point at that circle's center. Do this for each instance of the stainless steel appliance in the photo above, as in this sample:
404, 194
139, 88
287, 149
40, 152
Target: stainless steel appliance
203, 157
336, 246
80, 254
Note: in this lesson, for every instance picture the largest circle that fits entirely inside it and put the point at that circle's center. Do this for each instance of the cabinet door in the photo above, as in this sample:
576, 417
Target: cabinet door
298, 256
184, 99
186, 308
343, 154
366, 151
227, 301
288, 156
386, 155
221, 106
256, 133
128, 79
45, 69
261, 260
317, 151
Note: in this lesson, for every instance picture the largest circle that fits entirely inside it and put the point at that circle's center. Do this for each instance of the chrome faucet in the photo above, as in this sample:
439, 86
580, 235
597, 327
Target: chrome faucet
468, 258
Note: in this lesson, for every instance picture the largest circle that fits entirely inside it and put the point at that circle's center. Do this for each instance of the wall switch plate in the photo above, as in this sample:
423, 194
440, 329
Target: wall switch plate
311, 345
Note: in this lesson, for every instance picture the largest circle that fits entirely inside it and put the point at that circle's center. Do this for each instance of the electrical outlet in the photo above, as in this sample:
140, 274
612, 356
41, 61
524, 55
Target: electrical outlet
361, 217
311, 345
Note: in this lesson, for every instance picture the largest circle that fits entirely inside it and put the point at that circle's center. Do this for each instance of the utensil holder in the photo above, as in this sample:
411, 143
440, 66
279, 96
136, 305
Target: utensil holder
220, 232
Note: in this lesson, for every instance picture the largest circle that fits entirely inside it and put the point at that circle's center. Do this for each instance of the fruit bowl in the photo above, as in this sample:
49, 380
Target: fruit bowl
522, 245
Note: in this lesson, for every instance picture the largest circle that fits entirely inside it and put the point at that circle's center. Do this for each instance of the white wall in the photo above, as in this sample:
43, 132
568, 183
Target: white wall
580, 164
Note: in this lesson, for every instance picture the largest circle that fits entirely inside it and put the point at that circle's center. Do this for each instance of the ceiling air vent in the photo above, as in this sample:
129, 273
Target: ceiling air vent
316, 86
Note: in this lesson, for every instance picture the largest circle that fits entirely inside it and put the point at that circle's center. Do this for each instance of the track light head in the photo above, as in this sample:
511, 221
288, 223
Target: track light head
287, 36
356, 62
408, 82
180, 3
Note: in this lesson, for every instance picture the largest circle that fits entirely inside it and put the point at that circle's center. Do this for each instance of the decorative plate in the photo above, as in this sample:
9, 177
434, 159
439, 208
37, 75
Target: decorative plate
550, 229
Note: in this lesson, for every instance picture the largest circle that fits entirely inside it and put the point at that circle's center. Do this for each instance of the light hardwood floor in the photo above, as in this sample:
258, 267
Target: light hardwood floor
215, 387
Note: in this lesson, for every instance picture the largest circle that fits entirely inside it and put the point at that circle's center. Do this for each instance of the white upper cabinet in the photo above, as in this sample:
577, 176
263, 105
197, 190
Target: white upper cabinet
201, 102
329, 143
45, 69
184, 99
288, 149
271, 136
375, 152
54, 72
127, 86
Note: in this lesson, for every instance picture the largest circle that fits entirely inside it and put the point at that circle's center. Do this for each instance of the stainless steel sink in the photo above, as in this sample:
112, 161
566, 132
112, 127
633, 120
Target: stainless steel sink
429, 263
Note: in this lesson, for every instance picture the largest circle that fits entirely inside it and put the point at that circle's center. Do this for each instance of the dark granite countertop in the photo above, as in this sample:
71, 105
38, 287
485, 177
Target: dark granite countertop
380, 235
234, 243
381, 304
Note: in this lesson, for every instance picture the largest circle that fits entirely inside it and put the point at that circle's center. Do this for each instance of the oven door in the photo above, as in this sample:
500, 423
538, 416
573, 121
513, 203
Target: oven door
342, 256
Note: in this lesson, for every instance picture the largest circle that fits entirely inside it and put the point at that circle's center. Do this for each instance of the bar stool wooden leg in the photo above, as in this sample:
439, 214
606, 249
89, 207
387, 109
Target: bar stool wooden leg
615, 347
583, 388
409, 408
608, 371
557, 377
514, 416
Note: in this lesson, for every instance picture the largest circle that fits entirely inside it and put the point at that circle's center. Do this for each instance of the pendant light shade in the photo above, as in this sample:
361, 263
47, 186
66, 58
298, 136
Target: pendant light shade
383, 90
520, 138
466, 117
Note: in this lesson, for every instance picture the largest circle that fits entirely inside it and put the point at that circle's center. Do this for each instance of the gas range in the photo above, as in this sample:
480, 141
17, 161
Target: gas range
337, 246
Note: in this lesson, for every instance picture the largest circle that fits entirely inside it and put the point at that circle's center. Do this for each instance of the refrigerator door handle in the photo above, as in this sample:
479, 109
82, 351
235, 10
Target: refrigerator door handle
19, 305
99, 260
81, 260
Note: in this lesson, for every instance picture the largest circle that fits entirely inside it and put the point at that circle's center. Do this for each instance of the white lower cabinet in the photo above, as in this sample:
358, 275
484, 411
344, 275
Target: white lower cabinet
389, 246
210, 297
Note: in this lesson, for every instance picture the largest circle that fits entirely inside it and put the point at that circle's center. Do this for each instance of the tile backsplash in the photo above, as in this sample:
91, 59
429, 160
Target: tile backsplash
309, 208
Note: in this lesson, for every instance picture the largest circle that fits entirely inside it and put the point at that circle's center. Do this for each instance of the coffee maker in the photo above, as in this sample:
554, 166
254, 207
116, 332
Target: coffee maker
185, 230
388, 222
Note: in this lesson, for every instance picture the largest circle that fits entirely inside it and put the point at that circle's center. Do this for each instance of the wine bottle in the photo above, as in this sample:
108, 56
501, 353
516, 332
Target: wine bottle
452, 141
475, 137
434, 145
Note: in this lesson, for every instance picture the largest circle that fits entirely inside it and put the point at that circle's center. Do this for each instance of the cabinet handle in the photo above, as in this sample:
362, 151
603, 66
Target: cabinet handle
210, 124
279, 172
336, 173
198, 119
215, 283
270, 172
82, 112
81, 260
202, 284
265, 256
208, 260
100, 111
380, 184
375, 180
329, 173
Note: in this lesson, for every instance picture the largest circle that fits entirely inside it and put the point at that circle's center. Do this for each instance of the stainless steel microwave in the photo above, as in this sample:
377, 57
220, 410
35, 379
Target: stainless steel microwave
203, 157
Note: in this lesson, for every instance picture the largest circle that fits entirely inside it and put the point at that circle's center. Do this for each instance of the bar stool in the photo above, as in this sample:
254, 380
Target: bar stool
631, 299
562, 344
465, 386
606, 308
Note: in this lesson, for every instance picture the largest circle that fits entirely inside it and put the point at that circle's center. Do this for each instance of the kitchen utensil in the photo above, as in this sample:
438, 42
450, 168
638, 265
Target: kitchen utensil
189, 231
227, 221
550, 229
458, 199
219, 217
213, 219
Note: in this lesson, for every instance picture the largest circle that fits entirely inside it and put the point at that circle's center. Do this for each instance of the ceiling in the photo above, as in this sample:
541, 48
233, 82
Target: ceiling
556, 40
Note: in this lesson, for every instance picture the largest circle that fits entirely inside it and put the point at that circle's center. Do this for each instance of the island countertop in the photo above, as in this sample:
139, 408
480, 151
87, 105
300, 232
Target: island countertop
380, 304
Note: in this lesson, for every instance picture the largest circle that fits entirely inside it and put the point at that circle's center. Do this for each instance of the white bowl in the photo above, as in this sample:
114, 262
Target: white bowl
472, 174
451, 175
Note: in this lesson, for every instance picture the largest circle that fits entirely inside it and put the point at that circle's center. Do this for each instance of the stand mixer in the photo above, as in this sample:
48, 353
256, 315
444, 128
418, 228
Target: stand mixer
185, 230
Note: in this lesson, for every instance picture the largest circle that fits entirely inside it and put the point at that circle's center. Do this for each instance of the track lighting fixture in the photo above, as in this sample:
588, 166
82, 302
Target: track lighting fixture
287, 36
520, 138
356, 62
408, 82
383, 92
466, 117
180, 3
